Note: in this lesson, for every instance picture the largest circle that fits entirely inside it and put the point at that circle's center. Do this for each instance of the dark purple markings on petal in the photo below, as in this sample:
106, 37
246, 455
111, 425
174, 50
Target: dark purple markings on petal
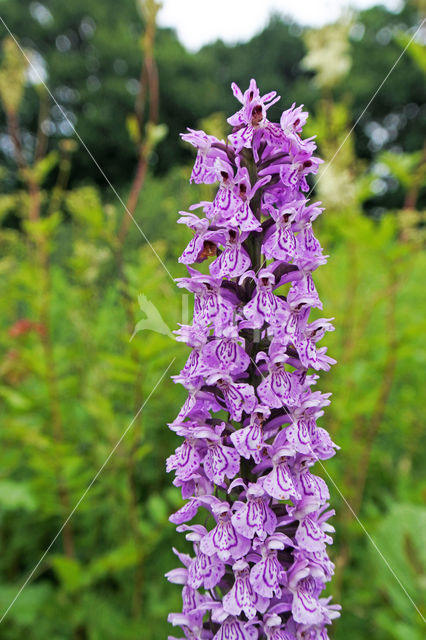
305, 608
253, 311
188, 461
232, 262
314, 486
189, 256
266, 394
241, 138
186, 408
228, 355
192, 364
233, 629
241, 597
280, 244
281, 385
308, 242
221, 461
310, 536
205, 571
239, 396
186, 513
264, 577
245, 219
225, 541
279, 483
243, 524
255, 515
298, 434
248, 442
234, 401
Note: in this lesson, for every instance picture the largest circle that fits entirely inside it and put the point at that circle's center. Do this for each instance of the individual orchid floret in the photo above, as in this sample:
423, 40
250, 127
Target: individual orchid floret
299, 434
292, 122
307, 246
187, 458
264, 306
312, 489
306, 608
220, 461
239, 396
280, 387
203, 570
226, 352
251, 116
267, 575
234, 259
242, 596
210, 305
279, 483
223, 539
293, 174
231, 206
311, 533
254, 517
304, 291
249, 441
202, 245
203, 171
280, 241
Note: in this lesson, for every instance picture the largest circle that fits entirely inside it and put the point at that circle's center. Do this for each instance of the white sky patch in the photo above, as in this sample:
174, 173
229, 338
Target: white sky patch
199, 22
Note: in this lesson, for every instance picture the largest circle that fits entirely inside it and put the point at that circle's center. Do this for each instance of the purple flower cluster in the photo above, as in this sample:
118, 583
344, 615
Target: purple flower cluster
249, 424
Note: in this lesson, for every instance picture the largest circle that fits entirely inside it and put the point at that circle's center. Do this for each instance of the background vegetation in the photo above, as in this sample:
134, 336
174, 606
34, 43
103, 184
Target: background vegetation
72, 265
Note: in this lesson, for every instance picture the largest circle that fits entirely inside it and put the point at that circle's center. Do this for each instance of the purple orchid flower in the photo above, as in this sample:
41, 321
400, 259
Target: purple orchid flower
225, 352
280, 387
264, 306
204, 569
280, 241
203, 171
274, 628
254, 517
202, 245
249, 440
251, 116
210, 305
219, 461
250, 424
242, 596
292, 122
234, 628
234, 259
267, 575
231, 206
223, 539
239, 396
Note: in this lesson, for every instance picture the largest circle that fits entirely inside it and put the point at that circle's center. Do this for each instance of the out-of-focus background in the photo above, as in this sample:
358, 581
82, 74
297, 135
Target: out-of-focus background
77, 276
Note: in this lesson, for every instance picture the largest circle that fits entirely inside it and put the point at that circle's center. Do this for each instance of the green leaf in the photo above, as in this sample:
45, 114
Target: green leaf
124, 556
69, 572
16, 495
45, 166
15, 399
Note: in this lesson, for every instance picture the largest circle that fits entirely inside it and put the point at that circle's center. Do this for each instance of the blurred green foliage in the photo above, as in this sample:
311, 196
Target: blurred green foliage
72, 378
89, 53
